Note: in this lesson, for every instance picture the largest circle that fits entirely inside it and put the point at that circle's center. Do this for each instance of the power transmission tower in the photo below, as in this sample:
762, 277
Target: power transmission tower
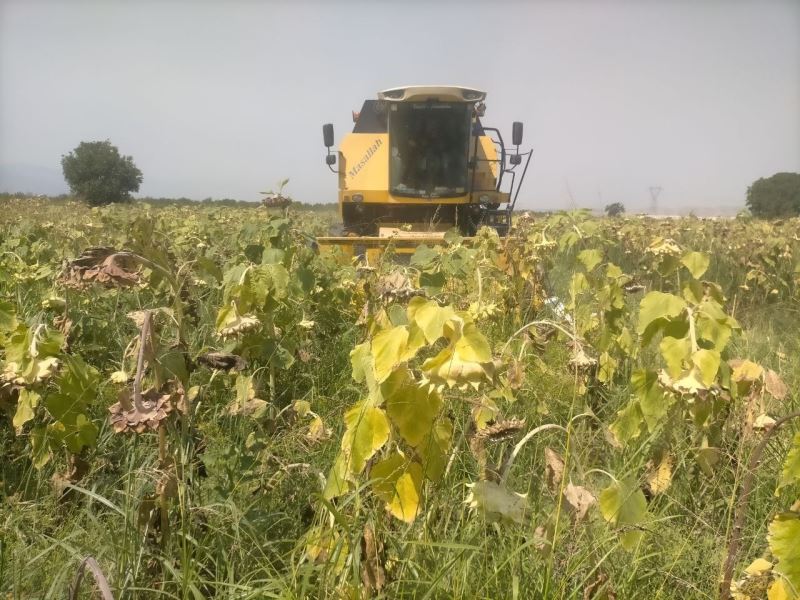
654, 192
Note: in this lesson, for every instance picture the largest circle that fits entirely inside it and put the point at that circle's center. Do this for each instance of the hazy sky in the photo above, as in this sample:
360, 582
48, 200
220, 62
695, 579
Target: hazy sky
224, 99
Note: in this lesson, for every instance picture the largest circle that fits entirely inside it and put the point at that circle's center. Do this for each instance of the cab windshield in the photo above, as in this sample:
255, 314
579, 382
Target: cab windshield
429, 148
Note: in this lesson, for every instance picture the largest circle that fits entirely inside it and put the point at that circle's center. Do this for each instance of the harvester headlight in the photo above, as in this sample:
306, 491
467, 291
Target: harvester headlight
484, 198
472, 95
358, 198
394, 94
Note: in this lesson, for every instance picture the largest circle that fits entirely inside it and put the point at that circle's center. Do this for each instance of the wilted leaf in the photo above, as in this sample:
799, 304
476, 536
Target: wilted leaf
430, 317
543, 537
758, 567
77, 385
579, 500
577, 285
590, 258
496, 502
398, 483
784, 543
690, 382
675, 352
411, 407
423, 257
119, 377
40, 446
607, 366
367, 432
656, 306
484, 413
599, 589
693, 291
230, 324
713, 325
27, 402
8, 317
167, 484
774, 385
623, 504
791, 465
317, 431
707, 457
31, 355
61, 481
388, 349
553, 470
325, 545
627, 425
246, 403
363, 365
746, 371
338, 479
659, 477
467, 360
707, 363
763, 422
653, 402
696, 262
433, 450
301, 407
306, 324
472, 346
373, 575
138, 317
779, 591
515, 374
663, 247
448, 368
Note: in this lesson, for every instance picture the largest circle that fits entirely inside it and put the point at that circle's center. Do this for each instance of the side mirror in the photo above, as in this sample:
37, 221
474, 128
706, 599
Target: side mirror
330, 160
327, 134
516, 133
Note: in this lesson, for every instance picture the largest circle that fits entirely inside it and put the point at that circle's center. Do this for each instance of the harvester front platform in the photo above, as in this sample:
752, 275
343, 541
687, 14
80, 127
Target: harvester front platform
371, 247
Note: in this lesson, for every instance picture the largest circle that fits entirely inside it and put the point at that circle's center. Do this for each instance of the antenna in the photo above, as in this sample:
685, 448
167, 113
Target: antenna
654, 192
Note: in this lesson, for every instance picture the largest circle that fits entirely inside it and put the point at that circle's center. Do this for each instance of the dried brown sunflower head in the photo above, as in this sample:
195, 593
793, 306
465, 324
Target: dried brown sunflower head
128, 415
222, 361
396, 286
102, 265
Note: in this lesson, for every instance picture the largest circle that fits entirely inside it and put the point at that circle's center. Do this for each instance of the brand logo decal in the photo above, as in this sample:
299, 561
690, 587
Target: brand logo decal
365, 159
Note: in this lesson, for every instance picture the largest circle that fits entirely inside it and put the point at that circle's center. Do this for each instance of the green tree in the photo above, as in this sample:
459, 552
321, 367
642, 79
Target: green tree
614, 210
99, 174
776, 196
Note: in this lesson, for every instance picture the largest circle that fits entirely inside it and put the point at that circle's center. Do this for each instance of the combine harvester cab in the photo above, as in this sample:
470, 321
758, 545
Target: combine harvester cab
418, 163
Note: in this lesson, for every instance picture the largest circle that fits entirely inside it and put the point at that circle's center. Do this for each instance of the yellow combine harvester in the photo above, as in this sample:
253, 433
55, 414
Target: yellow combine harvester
419, 162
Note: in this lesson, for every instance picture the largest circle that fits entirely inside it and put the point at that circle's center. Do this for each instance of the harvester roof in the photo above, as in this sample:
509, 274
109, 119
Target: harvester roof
418, 93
